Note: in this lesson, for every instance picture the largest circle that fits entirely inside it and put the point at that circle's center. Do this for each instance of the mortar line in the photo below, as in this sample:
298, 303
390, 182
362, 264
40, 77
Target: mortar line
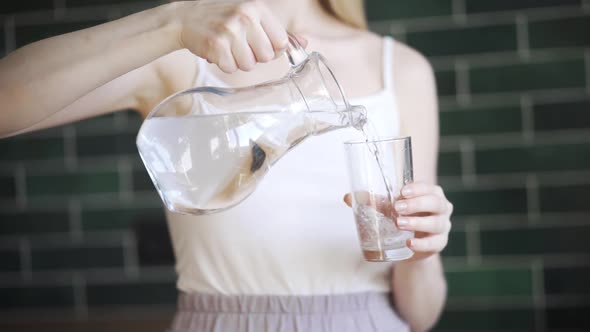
459, 12
399, 31
533, 199
462, 82
125, 172
527, 118
468, 170
80, 296
131, 259
489, 18
25, 255
522, 37
538, 287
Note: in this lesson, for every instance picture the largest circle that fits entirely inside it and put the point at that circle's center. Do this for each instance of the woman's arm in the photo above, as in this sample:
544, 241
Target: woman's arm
99, 69
42, 78
419, 286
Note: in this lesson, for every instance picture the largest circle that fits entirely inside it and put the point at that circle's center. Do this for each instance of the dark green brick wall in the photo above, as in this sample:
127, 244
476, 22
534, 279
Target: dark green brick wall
513, 78
81, 228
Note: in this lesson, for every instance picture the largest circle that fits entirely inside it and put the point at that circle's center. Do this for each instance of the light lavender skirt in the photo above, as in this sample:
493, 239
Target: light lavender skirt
364, 312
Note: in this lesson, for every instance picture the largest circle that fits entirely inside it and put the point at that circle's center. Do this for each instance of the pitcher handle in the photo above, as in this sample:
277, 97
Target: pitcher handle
295, 52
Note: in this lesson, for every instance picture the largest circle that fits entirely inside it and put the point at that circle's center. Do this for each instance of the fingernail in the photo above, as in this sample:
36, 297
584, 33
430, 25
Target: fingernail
406, 191
400, 206
402, 222
410, 243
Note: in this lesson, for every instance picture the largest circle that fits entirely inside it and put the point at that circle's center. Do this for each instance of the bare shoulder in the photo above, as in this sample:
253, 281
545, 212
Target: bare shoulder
415, 91
409, 64
169, 74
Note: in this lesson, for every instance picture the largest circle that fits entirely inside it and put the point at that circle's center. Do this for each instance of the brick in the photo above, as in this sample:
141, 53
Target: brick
7, 187
449, 163
153, 242
571, 198
446, 82
88, 146
488, 282
9, 7
567, 280
566, 115
500, 5
528, 77
28, 34
457, 245
495, 38
36, 297
14, 149
74, 183
487, 320
480, 121
573, 318
562, 32
551, 240
76, 258
385, 10
534, 159
134, 120
101, 123
488, 201
123, 218
10, 259
28, 222
132, 294
142, 181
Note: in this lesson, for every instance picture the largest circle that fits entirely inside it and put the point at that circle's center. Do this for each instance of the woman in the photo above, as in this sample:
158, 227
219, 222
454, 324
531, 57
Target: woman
278, 261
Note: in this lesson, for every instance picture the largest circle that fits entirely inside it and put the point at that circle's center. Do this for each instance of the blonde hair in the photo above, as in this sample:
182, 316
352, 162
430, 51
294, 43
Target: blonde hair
351, 12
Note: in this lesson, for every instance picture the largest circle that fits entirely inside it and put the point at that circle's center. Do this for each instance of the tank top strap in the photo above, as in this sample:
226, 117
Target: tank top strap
387, 62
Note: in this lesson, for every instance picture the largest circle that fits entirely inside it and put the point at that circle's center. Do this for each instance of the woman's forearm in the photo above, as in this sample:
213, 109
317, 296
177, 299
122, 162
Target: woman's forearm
419, 289
32, 78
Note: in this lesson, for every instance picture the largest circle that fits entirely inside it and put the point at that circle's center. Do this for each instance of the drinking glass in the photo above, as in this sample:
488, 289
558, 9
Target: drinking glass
378, 169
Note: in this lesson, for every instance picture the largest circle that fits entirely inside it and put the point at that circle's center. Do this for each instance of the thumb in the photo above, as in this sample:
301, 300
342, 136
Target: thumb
348, 200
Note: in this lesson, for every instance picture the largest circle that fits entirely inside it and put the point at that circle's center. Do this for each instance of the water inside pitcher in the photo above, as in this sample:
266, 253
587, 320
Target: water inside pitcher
206, 149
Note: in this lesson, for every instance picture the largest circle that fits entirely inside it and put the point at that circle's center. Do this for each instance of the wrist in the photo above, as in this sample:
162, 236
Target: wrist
170, 23
419, 264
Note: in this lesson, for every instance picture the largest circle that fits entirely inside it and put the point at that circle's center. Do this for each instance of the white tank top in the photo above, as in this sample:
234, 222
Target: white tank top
294, 235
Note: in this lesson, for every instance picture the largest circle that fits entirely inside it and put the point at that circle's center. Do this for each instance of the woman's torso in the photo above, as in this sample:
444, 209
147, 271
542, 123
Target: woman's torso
293, 235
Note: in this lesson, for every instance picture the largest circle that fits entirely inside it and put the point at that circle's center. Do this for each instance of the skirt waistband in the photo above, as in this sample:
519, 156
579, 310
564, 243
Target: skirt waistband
308, 304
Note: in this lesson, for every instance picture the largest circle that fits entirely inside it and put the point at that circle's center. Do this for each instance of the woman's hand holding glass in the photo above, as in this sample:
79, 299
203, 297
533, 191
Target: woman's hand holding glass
424, 209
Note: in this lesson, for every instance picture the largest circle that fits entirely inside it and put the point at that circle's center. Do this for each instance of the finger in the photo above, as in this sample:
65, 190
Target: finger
242, 54
302, 41
219, 53
431, 224
348, 200
421, 188
259, 43
422, 204
274, 30
434, 243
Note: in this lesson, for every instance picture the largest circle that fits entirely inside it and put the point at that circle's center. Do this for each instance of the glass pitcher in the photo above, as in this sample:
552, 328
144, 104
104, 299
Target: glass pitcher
207, 148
